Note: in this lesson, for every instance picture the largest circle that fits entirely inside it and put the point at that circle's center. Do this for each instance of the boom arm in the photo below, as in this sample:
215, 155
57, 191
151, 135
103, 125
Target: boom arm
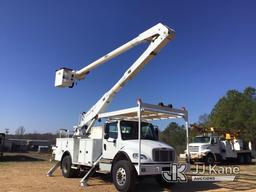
158, 36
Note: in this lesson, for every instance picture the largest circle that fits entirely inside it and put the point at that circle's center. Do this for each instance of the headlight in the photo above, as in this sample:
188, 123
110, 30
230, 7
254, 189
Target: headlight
204, 147
135, 156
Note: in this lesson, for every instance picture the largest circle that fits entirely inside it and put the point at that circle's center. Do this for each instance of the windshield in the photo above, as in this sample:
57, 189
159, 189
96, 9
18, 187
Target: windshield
129, 130
201, 140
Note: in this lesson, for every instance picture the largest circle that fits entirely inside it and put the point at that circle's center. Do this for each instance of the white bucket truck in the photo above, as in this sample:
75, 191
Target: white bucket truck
211, 148
127, 145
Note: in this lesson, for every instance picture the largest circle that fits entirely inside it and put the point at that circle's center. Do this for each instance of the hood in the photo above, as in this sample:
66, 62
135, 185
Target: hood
197, 144
145, 144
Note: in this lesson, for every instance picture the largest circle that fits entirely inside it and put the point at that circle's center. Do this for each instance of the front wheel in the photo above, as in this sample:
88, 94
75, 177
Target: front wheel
248, 159
66, 169
240, 159
124, 176
209, 159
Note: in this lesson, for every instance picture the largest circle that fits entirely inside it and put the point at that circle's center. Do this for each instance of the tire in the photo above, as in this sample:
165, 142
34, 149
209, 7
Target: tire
192, 162
248, 159
124, 176
241, 159
66, 169
209, 159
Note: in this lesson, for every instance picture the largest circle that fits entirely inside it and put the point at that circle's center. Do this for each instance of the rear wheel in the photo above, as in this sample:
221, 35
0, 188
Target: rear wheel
66, 169
124, 176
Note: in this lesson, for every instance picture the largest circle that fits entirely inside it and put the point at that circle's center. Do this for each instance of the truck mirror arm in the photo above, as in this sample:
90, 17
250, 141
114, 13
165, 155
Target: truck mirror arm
106, 136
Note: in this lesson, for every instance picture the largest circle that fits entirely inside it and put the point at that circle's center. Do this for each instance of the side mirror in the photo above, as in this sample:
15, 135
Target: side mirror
106, 136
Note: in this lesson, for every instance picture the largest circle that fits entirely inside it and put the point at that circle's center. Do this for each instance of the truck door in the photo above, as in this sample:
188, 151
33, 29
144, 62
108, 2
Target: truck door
215, 145
110, 140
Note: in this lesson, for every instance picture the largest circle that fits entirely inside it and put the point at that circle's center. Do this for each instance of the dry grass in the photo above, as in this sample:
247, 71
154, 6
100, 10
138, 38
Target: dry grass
27, 173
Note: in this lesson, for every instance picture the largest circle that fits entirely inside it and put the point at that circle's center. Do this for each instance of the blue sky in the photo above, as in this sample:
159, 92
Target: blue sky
214, 51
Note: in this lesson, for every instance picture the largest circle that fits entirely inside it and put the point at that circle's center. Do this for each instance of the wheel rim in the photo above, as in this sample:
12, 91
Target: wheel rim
121, 176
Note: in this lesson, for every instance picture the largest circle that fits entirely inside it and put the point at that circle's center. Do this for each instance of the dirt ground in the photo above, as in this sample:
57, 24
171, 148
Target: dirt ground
27, 173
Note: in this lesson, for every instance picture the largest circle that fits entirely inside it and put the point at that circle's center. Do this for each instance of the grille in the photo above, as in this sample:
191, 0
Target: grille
163, 154
193, 148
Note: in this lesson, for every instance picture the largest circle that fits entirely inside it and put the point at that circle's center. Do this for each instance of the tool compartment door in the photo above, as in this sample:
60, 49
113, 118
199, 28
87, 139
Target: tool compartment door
89, 151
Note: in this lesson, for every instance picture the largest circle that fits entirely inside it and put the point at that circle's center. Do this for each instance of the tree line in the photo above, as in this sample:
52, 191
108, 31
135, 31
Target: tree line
234, 112
20, 133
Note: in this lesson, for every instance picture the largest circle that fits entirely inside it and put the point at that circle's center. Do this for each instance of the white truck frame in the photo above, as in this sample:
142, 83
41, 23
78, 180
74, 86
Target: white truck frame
93, 148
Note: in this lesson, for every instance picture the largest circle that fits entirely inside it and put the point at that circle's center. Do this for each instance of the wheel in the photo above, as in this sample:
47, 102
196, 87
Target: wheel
209, 159
241, 159
248, 158
124, 176
190, 161
66, 169
161, 182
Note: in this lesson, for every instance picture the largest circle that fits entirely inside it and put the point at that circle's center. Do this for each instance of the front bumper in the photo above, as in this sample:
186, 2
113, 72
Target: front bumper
193, 156
152, 169
197, 156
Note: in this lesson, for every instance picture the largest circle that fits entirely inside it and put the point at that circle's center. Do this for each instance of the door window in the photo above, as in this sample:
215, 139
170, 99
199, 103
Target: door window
214, 140
112, 130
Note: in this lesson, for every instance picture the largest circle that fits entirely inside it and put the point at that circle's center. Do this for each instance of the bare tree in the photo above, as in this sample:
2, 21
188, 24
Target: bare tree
203, 119
7, 131
20, 131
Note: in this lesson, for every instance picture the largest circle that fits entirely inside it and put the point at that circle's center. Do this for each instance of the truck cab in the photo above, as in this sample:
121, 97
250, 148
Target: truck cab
205, 148
122, 137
